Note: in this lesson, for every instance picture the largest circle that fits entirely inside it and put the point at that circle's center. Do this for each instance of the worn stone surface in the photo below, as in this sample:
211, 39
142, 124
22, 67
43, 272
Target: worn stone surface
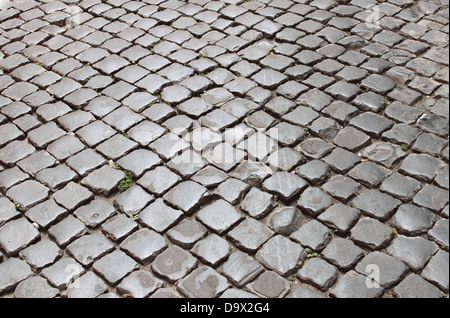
224, 148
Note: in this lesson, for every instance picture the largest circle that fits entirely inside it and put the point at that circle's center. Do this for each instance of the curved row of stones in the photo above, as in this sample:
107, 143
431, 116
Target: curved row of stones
285, 148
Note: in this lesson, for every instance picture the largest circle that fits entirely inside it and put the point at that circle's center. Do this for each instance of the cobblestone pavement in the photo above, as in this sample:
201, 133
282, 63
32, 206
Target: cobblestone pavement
271, 148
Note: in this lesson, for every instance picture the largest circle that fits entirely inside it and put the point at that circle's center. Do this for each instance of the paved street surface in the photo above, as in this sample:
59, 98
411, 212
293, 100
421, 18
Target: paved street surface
232, 148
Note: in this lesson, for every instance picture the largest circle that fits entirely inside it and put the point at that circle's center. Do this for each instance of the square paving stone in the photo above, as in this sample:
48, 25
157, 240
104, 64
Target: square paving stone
269, 284
88, 248
342, 253
301, 116
314, 201
56, 177
36, 162
88, 285
351, 139
187, 233
219, 216
12, 243
7, 211
315, 148
103, 180
240, 268
414, 286
439, 233
369, 174
198, 283
384, 153
318, 273
211, 250
174, 263
13, 271
353, 285
413, 251
400, 186
28, 194
436, 270
285, 185
146, 132
133, 200
139, 284
45, 134
371, 233
391, 270
340, 217
376, 204
95, 132
144, 245
46, 213
67, 230
114, 266
168, 146
138, 161
257, 203
187, 196
118, 227
281, 255
122, 118
315, 171
250, 235
72, 196
61, 273
342, 187
421, 166
232, 190
285, 159
95, 213
431, 197
35, 287
116, 146
412, 220
159, 216
10, 177
85, 161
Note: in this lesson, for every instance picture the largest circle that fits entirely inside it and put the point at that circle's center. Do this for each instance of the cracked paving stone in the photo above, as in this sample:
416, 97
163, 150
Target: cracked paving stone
174, 263
198, 283
144, 245
281, 255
